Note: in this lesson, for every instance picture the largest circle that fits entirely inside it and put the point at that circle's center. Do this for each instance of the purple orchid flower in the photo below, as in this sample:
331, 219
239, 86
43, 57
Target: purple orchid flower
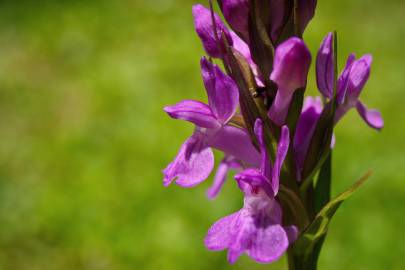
350, 83
291, 65
195, 160
257, 228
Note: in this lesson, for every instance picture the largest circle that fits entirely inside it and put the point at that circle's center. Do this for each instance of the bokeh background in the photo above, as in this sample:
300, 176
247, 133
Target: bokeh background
83, 138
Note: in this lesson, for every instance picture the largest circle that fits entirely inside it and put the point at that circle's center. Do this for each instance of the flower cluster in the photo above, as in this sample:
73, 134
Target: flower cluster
271, 136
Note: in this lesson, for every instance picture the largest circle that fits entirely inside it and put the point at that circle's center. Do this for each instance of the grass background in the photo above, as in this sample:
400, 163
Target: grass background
83, 138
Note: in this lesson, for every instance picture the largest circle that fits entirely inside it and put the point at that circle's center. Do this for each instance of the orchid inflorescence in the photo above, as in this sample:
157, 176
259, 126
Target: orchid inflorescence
278, 142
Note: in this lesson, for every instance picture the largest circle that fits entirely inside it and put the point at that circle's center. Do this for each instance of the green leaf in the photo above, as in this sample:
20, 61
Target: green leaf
322, 188
306, 249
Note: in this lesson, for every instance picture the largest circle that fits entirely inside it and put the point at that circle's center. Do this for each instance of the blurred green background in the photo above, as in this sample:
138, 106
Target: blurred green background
83, 138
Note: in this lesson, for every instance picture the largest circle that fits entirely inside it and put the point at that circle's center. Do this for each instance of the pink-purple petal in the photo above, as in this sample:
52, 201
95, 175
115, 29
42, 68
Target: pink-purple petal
223, 94
192, 165
325, 67
268, 244
234, 142
371, 116
282, 151
193, 111
203, 23
223, 169
221, 234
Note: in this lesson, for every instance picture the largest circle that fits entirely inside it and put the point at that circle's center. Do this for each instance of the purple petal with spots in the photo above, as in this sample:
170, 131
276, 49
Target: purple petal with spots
192, 165
193, 111
255, 230
251, 181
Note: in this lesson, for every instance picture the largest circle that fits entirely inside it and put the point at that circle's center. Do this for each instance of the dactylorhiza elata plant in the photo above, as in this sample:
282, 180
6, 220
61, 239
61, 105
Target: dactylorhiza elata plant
277, 141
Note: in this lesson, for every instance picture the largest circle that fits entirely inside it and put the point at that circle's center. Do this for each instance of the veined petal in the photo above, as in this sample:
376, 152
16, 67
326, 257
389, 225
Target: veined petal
192, 165
359, 74
203, 23
268, 244
221, 234
224, 167
343, 80
372, 117
280, 157
223, 94
325, 67
193, 111
234, 142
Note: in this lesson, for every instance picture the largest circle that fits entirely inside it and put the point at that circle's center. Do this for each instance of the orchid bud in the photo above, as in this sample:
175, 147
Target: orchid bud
210, 35
325, 67
306, 11
236, 13
291, 66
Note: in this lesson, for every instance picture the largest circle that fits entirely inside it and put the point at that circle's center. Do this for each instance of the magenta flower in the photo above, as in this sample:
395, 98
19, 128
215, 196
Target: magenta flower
291, 65
350, 83
195, 160
249, 118
257, 228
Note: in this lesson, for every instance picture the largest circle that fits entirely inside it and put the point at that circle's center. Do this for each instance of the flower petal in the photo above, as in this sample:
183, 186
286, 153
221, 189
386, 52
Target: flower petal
265, 166
343, 80
372, 117
193, 111
250, 181
223, 94
325, 67
282, 151
291, 65
234, 142
224, 167
268, 244
221, 234
306, 11
205, 30
192, 165
236, 13
359, 74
